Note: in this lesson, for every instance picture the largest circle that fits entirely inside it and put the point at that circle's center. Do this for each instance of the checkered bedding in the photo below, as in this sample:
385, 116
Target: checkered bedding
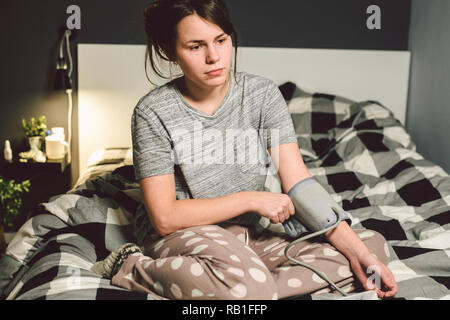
358, 151
367, 161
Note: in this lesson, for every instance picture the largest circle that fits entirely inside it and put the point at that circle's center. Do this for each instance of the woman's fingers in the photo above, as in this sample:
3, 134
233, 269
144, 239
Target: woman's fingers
282, 216
283, 210
381, 280
287, 215
364, 280
279, 208
291, 207
275, 219
390, 285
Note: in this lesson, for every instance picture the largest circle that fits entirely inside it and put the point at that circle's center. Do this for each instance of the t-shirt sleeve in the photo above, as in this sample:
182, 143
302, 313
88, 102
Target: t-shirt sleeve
277, 123
152, 151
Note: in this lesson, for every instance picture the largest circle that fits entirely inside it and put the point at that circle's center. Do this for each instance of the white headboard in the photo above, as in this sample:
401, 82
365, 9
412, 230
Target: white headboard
111, 79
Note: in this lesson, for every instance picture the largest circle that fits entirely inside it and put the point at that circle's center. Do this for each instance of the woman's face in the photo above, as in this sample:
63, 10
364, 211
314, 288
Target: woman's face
201, 47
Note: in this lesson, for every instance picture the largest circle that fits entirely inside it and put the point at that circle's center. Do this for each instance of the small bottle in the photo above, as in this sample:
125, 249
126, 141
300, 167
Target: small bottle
7, 152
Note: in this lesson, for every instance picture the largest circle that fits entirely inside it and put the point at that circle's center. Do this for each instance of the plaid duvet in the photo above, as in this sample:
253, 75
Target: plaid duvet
358, 151
367, 161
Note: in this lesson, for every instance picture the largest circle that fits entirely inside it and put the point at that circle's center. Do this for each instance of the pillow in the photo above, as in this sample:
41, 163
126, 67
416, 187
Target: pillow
110, 156
315, 116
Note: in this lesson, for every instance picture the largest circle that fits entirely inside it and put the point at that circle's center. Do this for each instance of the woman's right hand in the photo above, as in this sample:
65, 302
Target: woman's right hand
277, 207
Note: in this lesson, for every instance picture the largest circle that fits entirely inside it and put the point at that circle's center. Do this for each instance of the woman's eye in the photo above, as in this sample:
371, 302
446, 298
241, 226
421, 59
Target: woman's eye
222, 40
195, 48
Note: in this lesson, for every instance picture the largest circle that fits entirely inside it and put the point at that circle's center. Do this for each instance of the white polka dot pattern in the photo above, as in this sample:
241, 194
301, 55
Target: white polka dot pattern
160, 262
344, 272
257, 274
241, 272
317, 279
294, 283
330, 252
308, 258
239, 291
165, 252
285, 268
197, 269
196, 293
221, 242
199, 248
193, 241
176, 263
187, 234
213, 235
258, 261
274, 258
235, 258
176, 291
158, 245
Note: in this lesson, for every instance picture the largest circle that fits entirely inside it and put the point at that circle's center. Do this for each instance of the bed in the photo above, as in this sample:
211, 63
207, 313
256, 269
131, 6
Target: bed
355, 145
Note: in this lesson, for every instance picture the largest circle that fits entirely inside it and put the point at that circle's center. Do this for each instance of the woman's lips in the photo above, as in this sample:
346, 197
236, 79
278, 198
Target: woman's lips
215, 73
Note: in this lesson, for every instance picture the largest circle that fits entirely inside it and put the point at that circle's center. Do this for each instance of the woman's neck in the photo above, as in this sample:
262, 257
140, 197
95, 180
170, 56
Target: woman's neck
199, 94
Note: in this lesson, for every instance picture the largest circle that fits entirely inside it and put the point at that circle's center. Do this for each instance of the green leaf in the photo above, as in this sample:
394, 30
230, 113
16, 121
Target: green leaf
11, 194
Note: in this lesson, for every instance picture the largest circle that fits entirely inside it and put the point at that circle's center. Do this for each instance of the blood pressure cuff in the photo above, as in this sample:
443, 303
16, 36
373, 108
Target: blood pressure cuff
313, 209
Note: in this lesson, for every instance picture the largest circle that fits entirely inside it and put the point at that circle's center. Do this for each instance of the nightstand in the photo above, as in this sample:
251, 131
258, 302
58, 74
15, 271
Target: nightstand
47, 179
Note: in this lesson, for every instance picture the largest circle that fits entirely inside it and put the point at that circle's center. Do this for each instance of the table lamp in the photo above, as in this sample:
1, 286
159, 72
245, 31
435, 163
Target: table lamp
63, 81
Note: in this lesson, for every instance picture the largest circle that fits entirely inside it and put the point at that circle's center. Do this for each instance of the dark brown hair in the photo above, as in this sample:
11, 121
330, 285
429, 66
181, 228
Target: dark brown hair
162, 17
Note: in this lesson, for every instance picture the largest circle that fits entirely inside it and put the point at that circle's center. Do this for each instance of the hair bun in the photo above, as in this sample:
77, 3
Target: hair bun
153, 19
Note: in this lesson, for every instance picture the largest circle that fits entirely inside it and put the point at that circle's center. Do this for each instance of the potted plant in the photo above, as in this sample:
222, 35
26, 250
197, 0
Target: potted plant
35, 128
35, 131
10, 203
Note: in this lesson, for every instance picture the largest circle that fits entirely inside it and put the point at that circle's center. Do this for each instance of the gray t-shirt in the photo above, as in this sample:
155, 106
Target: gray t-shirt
209, 155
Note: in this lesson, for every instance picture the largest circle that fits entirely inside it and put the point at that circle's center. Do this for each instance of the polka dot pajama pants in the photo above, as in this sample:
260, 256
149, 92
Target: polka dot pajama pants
235, 262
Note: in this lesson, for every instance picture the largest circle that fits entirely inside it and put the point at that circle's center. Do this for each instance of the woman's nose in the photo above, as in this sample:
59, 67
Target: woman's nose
212, 55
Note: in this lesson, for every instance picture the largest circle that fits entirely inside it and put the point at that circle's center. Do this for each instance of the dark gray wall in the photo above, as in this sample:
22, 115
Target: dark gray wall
428, 118
31, 31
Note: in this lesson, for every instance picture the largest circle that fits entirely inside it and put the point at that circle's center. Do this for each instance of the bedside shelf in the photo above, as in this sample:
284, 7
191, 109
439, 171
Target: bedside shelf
47, 179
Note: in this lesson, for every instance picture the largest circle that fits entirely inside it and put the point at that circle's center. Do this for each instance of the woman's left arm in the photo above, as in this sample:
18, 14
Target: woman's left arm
291, 169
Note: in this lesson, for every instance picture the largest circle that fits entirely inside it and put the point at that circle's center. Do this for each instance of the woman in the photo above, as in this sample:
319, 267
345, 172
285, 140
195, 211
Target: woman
197, 224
